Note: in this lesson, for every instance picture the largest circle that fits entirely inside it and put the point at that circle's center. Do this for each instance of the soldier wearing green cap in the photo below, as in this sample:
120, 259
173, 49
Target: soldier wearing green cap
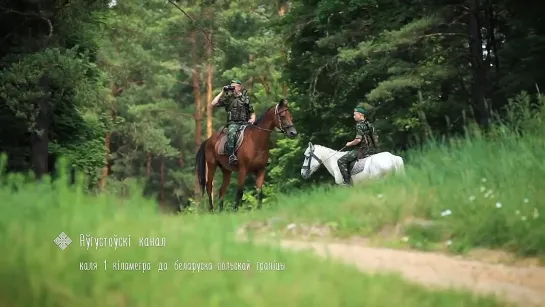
367, 139
239, 112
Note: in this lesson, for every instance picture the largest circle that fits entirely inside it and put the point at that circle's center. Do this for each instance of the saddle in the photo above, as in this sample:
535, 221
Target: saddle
220, 145
357, 166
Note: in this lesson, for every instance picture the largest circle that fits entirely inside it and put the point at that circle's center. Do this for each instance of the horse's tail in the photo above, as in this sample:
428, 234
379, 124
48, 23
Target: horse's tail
399, 166
200, 166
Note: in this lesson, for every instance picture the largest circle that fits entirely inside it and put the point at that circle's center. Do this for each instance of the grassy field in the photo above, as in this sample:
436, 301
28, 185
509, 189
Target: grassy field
475, 193
35, 272
470, 193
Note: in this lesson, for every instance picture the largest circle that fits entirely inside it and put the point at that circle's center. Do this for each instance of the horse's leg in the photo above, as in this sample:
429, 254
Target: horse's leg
224, 185
209, 180
259, 179
240, 190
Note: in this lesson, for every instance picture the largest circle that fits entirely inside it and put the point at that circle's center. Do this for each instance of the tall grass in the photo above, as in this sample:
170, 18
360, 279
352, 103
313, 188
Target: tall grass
477, 192
35, 272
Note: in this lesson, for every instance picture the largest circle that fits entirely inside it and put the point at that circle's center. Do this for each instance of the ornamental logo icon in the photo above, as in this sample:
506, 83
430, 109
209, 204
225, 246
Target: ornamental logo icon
62, 241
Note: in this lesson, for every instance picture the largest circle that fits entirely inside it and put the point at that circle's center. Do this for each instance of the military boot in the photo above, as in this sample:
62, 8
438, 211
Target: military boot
346, 182
233, 159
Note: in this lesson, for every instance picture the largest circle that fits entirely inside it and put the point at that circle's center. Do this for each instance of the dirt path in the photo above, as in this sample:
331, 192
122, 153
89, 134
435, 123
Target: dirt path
522, 286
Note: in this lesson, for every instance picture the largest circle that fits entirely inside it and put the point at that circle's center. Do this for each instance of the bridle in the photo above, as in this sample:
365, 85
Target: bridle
282, 127
277, 114
308, 158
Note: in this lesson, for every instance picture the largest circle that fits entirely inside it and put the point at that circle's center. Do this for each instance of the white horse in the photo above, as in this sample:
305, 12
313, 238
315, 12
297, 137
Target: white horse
374, 166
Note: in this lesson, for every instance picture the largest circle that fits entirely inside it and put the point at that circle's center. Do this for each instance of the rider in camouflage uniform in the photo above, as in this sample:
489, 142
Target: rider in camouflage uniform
367, 139
239, 112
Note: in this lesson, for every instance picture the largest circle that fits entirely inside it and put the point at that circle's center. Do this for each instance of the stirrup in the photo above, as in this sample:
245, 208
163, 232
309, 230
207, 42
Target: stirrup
233, 159
346, 183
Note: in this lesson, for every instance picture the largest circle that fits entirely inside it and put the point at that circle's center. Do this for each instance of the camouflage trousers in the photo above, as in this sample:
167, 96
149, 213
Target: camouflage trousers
343, 162
346, 162
230, 145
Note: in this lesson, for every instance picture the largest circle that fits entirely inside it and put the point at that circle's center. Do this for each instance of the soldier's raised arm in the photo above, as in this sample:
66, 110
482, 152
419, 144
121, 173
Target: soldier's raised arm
251, 111
220, 98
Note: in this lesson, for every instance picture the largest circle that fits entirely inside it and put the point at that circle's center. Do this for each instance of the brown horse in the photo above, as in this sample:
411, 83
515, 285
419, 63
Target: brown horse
252, 153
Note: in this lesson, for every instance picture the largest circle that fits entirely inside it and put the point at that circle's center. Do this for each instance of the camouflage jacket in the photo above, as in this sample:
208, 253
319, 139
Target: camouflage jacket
238, 108
366, 132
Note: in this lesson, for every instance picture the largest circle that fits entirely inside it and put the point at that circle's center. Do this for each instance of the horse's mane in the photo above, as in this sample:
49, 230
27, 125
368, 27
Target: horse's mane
262, 117
328, 150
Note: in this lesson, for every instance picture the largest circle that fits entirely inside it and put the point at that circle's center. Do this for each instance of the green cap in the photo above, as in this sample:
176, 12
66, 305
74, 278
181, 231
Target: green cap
359, 109
236, 81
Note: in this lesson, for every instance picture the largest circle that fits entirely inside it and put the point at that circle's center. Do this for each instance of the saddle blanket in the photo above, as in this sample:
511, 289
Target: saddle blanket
357, 167
220, 145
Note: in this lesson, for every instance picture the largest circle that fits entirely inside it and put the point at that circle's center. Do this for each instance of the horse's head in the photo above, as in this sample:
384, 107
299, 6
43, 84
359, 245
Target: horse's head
283, 120
311, 162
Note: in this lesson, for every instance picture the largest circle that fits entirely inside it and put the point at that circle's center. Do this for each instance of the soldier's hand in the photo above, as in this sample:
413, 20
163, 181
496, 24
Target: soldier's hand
348, 144
251, 121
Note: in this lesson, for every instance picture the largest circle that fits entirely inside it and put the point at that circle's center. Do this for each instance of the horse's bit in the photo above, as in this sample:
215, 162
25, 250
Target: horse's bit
309, 159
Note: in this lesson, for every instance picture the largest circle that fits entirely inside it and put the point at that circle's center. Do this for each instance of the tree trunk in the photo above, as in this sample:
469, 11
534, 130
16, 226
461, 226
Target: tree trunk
492, 44
148, 164
251, 80
478, 64
104, 176
181, 159
265, 85
162, 182
196, 92
39, 138
197, 97
282, 11
209, 86
107, 141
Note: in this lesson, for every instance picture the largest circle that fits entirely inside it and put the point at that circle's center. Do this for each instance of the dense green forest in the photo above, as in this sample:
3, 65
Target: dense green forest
122, 89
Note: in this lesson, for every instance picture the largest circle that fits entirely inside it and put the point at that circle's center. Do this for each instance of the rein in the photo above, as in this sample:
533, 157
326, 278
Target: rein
282, 127
320, 162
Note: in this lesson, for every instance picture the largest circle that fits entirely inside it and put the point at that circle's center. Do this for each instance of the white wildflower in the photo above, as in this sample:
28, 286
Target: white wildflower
517, 212
448, 243
379, 196
488, 194
483, 180
291, 226
405, 239
526, 200
535, 215
523, 218
446, 212
471, 198
482, 189
498, 205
